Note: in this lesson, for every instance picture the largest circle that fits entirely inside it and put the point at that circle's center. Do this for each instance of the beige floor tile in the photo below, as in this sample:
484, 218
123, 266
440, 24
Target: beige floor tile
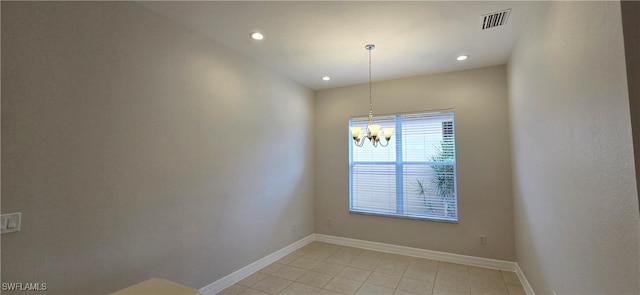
299, 289
428, 275
489, 292
354, 273
415, 286
453, 268
329, 268
366, 262
370, 289
341, 258
392, 267
479, 273
390, 257
252, 279
350, 250
335, 248
233, 290
452, 279
515, 289
290, 273
403, 292
288, 259
371, 254
423, 263
315, 279
301, 251
383, 279
322, 268
317, 254
510, 278
317, 245
487, 285
250, 291
328, 292
440, 289
271, 268
305, 262
271, 285
342, 285
322, 246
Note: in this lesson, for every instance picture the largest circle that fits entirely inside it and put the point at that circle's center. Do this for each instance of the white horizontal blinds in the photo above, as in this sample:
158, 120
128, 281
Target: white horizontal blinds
428, 159
414, 176
374, 188
373, 172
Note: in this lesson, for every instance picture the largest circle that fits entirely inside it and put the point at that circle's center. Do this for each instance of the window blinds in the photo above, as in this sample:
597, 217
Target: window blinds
414, 176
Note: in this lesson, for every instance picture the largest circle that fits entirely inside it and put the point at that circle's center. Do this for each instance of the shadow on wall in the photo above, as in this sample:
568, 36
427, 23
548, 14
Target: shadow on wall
631, 30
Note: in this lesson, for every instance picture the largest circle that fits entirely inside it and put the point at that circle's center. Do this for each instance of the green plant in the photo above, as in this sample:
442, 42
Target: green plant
443, 181
422, 192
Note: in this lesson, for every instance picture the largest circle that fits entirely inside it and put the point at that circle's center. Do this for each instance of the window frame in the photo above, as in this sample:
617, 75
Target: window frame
448, 130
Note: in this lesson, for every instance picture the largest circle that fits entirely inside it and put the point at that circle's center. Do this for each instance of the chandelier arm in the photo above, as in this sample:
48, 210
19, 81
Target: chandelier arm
384, 145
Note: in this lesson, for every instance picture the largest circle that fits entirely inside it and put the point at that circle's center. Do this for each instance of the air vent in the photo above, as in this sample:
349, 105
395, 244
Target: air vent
495, 19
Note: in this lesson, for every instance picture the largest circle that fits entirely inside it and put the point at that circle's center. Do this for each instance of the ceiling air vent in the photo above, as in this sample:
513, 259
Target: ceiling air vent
495, 19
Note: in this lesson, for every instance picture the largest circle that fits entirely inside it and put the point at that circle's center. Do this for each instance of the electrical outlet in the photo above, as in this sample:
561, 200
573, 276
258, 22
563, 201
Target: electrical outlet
328, 221
11, 222
294, 228
483, 239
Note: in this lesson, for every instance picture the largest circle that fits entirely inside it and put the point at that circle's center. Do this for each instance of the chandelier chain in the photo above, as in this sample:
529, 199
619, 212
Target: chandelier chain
370, 104
369, 48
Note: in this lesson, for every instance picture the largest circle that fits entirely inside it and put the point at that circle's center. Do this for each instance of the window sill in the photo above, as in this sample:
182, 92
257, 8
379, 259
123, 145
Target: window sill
351, 211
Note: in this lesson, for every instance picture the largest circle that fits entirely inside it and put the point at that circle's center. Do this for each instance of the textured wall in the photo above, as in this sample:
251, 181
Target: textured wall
136, 149
479, 100
575, 197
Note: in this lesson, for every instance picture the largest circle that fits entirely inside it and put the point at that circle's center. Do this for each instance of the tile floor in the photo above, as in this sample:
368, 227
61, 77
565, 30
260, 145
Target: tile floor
321, 268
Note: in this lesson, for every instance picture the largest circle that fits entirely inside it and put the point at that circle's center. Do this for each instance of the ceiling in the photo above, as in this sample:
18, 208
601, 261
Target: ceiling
307, 40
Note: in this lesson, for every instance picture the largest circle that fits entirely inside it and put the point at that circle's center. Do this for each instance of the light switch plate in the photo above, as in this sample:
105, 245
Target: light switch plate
10, 222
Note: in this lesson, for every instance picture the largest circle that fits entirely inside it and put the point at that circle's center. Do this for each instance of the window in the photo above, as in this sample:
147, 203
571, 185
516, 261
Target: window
414, 176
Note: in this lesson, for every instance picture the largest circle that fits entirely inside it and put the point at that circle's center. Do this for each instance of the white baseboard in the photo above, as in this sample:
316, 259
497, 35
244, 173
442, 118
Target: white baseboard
422, 253
523, 280
246, 271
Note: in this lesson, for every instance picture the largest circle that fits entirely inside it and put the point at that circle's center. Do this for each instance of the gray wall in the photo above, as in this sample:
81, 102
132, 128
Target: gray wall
576, 211
136, 149
631, 27
479, 100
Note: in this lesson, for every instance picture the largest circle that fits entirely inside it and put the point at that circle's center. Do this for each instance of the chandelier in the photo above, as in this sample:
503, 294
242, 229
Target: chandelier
374, 132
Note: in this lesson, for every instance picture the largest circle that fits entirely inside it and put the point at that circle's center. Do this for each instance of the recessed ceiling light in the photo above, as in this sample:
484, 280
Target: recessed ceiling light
257, 36
462, 57
326, 78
